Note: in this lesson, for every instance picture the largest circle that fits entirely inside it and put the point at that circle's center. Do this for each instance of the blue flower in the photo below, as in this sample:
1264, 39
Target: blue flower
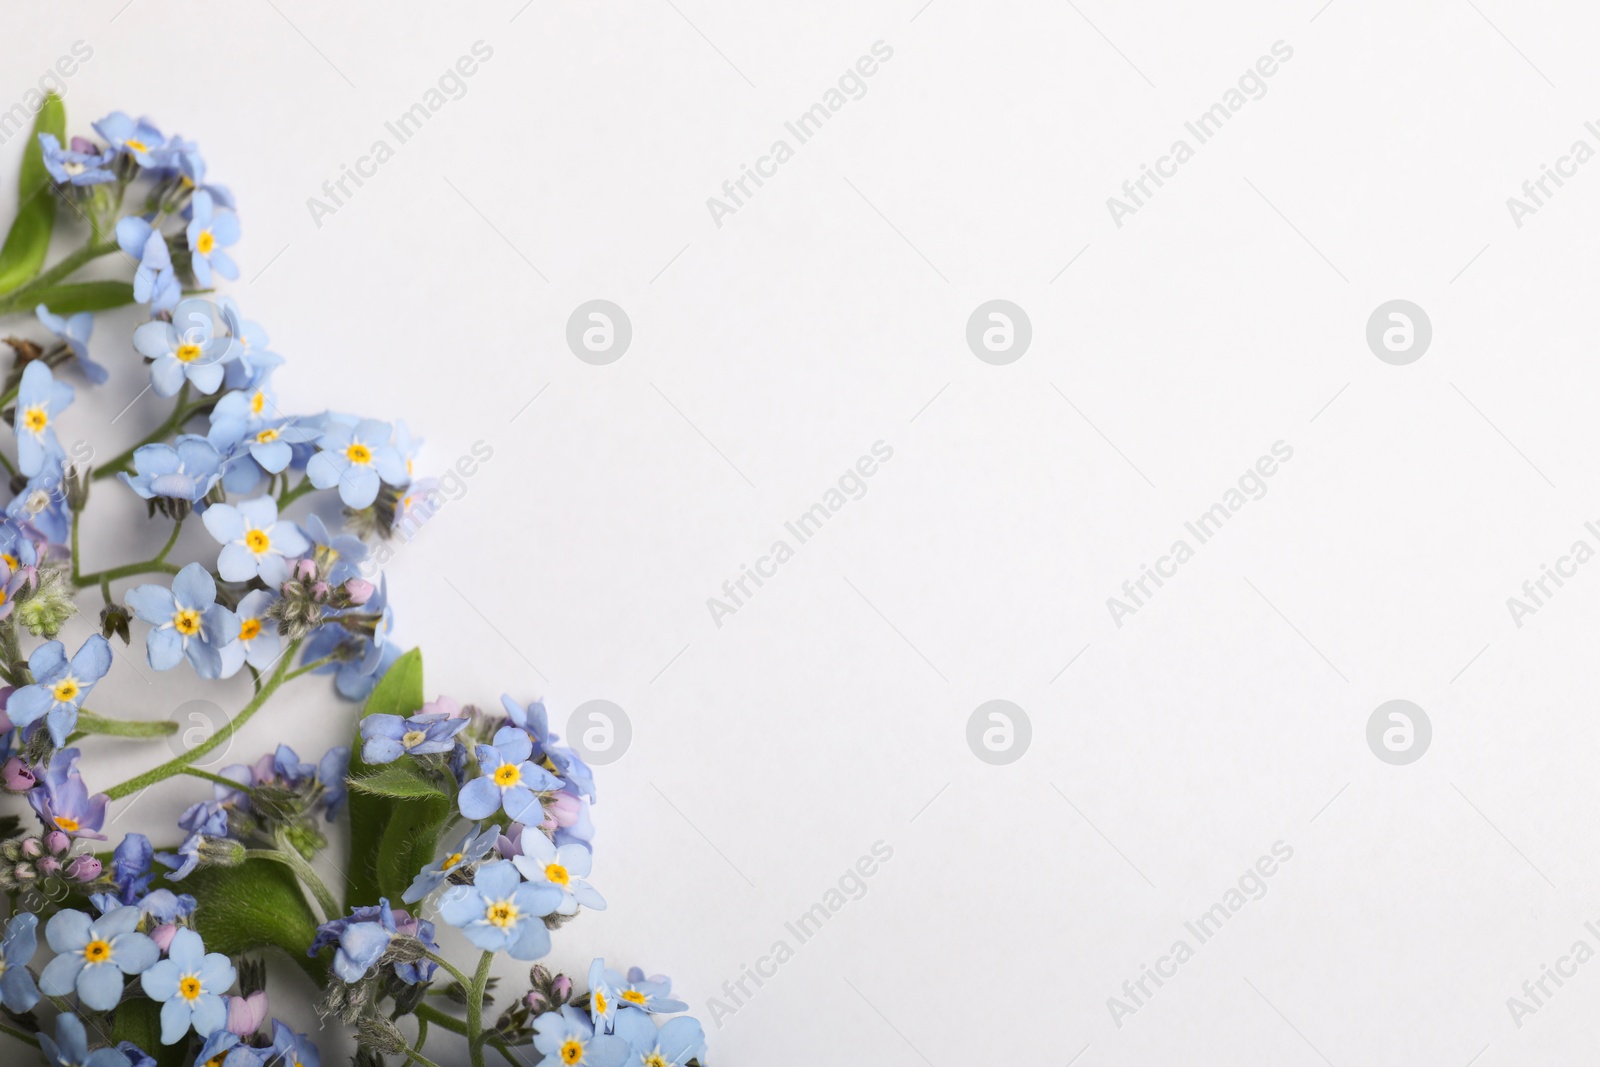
346, 550
81, 164
470, 849
74, 332
332, 770
652, 994
137, 138
356, 458
137, 1056
507, 780
130, 867
253, 541
568, 1038
363, 937
186, 472
189, 983
16, 549
70, 1048
255, 361
388, 737
42, 505
17, 991
499, 912
292, 1049
211, 229
352, 681
259, 644
59, 687
542, 862
224, 1049
188, 621
193, 346
676, 1043
92, 955
40, 398
154, 281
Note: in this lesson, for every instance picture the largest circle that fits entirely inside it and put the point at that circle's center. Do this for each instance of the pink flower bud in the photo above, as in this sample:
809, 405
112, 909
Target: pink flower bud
163, 935
565, 810
32, 847
562, 987
57, 842
320, 591
306, 569
359, 590
17, 777
246, 1014
49, 865
83, 869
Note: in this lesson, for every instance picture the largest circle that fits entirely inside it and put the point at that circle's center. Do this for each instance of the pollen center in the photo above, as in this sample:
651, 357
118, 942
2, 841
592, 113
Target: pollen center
187, 622
502, 913
358, 453
189, 987
413, 738
258, 402
557, 874
205, 243
571, 1050
633, 996
67, 823
507, 775
249, 629
97, 951
655, 1059
11, 561
136, 146
187, 352
257, 541
600, 1001
65, 690
35, 419
267, 436
450, 861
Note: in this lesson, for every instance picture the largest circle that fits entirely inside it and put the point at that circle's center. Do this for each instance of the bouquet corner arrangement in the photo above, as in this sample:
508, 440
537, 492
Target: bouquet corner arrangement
470, 829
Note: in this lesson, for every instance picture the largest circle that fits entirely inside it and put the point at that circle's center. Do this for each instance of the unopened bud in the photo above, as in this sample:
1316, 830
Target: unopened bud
83, 869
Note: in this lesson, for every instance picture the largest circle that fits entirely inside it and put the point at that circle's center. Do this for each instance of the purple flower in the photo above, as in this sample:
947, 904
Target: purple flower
63, 803
81, 164
363, 937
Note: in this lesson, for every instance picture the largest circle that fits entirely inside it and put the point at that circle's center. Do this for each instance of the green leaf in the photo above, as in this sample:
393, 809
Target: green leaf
254, 905
29, 239
396, 815
138, 1020
73, 297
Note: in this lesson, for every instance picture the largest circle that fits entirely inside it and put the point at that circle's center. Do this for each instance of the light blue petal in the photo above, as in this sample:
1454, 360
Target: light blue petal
69, 931
164, 649
60, 975
194, 588
225, 522
100, 986
480, 798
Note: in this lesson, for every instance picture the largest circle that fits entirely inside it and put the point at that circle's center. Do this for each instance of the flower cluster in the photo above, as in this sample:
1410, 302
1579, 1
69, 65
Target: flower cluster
275, 525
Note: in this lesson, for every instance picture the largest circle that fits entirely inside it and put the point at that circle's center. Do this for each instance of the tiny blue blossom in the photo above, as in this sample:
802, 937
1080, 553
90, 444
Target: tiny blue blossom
356, 459
74, 331
192, 347
469, 850
211, 229
567, 1037
253, 541
70, 1046
59, 686
92, 955
189, 983
40, 398
187, 620
385, 738
138, 138
17, 990
80, 164
564, 866
507, 780
185, 472
155, 282
499, 912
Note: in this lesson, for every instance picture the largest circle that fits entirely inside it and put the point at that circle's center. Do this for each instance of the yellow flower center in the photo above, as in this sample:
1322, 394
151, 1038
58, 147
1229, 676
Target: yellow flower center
97, 951
35, 419
502, 913
600, 1001
11, 561
65, 690
450, 861
359, 453
67, 823
249, 629
413, 738
205, 243
187, 622
257, 541
557, 874
258, 403
633, 996
136, 146
571, 1050
654, 1059
189, 987
216, 1061
187, 352
507, 775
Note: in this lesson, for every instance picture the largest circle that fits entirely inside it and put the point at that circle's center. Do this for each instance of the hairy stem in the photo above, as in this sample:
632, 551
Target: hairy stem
476, 1035
90, 723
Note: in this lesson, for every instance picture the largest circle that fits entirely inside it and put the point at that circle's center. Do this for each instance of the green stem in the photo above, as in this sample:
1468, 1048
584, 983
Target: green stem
196, 772
428, 1013
414, 1055
177, 765
309, 667
181, 410
19, 298
6, 463
90, 723
127, 570
286, 855
450, 968
289, 496
476, 1034
19, 1035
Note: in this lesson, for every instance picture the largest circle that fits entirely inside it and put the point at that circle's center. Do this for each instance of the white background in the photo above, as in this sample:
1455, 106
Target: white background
829, 313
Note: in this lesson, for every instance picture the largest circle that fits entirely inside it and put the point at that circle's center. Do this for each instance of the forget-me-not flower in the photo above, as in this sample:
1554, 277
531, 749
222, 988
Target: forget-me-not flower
59, 686
253, 541
92, 955
499, 912
193, 346
74, 331
189, 983
470, 849
40, 398
211, 229
187, 621
356, 458
564, 867
17, 990
507, 780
